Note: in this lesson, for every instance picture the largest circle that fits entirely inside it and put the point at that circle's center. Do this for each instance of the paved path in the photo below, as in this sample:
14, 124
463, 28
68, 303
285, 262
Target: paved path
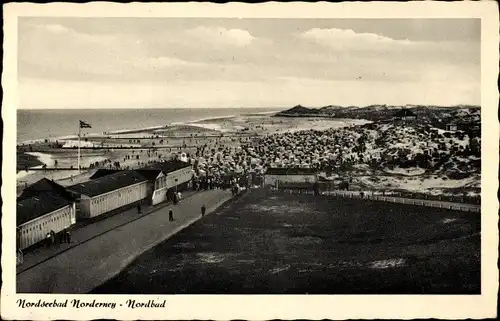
81, 268
81, 233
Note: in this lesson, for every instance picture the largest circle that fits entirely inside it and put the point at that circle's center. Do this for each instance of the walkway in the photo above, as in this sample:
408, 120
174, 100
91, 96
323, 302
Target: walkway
81, 233
101, 250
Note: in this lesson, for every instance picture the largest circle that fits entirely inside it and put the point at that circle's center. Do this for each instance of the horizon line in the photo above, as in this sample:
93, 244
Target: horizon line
260, 107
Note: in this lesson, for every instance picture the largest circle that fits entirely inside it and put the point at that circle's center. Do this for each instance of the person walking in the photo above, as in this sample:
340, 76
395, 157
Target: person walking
203, 210
52, 237
67, 236
139, 209
47, 239
170, 216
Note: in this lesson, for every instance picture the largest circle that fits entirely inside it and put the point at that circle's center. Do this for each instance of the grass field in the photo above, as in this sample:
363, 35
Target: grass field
295, 244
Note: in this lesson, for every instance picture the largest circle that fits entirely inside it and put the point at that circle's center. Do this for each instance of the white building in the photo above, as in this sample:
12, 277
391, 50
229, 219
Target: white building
110, 192
41, 214
166, 178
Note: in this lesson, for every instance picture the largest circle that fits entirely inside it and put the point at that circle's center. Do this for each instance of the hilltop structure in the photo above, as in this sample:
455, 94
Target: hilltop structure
405, 114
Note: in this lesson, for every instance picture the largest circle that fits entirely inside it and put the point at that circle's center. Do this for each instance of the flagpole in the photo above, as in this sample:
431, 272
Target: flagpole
79, 130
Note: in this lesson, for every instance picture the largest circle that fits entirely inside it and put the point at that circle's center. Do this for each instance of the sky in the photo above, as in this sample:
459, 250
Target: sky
225, 62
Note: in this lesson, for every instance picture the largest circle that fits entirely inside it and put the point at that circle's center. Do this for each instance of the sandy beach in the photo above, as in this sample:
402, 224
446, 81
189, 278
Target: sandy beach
137, 147
237, 143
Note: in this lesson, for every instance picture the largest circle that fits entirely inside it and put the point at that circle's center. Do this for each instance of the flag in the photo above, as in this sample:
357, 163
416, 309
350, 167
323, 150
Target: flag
84, 125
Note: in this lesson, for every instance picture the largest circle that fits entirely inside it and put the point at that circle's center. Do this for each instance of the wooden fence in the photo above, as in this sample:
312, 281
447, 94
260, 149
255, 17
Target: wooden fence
404, 200
393, 198
334, 187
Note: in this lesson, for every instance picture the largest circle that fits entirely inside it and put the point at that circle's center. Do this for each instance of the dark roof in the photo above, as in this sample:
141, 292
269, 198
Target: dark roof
108, 183
150, 173
168, 166
36, 206
45, 185
104, 172
290, 171
403, 112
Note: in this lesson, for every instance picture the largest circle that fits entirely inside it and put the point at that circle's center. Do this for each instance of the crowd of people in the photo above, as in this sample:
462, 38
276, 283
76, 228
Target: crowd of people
308, 149
376, 144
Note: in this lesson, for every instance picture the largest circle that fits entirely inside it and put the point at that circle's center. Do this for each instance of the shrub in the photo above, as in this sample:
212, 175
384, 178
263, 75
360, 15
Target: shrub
456, 175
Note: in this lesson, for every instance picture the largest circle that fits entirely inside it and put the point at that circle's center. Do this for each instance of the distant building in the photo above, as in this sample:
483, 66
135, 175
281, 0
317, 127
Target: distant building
451, 127
463, 126
43, 207
283, 176
405, 114
110, 192
39, 215
166, 178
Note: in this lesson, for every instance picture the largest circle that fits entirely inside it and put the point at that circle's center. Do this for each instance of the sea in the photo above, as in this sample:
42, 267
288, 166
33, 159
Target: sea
42, 124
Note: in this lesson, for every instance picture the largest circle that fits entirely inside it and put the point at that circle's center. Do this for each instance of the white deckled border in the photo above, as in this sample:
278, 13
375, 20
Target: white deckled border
282, 306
